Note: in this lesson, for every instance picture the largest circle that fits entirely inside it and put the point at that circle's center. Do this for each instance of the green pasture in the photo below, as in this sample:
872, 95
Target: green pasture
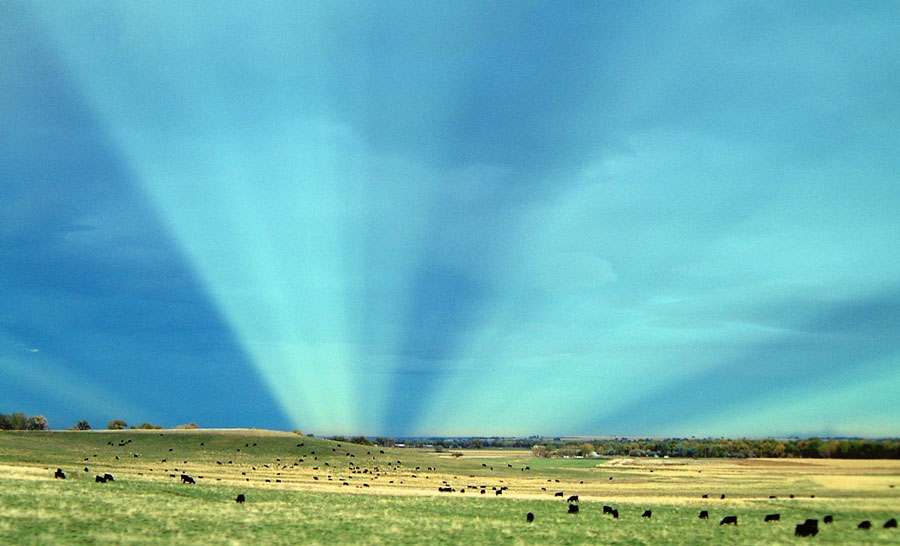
150, 507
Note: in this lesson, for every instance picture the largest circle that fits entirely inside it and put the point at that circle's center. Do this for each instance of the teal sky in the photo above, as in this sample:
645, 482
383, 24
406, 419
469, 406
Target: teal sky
453, 218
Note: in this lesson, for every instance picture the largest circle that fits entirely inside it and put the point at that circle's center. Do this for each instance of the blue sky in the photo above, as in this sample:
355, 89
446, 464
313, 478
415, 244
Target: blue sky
453, 218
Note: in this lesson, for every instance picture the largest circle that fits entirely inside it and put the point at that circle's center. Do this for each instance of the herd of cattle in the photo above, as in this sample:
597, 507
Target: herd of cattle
810, 527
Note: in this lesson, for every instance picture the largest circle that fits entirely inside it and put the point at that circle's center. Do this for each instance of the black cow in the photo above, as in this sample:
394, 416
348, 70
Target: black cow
615, 513
573, 508
703, 514
240, 498
59, 474
704, 496
445, 489
772, 517
529, 517
187, 479
890, 524
729, 520
573, 498
723, 496
99, 479
808, 528
109, 477
828, 519
558, 494
499, 492
646, 514
865, 525
607, 509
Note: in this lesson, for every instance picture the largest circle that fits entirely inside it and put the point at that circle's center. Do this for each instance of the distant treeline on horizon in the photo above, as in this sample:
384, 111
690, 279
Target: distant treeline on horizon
819, 448
836, 448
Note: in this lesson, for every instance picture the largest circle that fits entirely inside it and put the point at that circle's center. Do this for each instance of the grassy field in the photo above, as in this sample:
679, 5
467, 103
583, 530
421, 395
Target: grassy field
310, 491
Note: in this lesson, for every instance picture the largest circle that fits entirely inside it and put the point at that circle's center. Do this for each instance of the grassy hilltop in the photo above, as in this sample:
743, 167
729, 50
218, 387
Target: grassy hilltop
325, 492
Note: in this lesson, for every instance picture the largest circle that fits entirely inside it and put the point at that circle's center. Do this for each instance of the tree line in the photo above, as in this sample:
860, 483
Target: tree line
835, 448
817, 448
18, 421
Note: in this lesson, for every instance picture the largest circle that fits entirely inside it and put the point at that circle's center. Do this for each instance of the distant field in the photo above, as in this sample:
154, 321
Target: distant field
344, 493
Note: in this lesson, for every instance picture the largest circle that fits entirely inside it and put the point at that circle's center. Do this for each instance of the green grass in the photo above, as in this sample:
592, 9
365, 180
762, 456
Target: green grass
144, 507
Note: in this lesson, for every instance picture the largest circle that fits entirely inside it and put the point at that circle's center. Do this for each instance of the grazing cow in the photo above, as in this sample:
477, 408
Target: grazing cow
573, 498
808, 528
445, 489
890, 524
772, 517
828, 519
646, 514
791, 495
240, 498
187, 479
558, 494
99, 479
499, 492
573, 508
723, 496
482, 491
59, 474
772, 497
86, 469
615, 513
866, 525
109, 477
704, 496
529, 517
703, 514
607, 509
729, 520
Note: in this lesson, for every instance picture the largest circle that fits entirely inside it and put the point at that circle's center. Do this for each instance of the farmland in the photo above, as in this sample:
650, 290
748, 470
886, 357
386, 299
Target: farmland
315, 491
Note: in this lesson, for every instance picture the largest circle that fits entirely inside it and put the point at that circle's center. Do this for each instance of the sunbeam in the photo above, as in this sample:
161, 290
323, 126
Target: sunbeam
440, 219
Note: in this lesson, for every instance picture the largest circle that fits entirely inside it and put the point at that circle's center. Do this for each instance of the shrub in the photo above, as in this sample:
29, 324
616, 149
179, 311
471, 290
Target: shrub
82, 425
5, 422
37, 422
17, 420
188, 426
116, 424
147, 426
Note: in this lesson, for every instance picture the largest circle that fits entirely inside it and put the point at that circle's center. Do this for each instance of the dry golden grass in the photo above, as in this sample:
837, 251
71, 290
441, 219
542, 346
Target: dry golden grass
385, 501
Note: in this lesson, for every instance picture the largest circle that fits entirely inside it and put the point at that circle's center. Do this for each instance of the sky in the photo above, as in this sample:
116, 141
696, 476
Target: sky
453, 218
